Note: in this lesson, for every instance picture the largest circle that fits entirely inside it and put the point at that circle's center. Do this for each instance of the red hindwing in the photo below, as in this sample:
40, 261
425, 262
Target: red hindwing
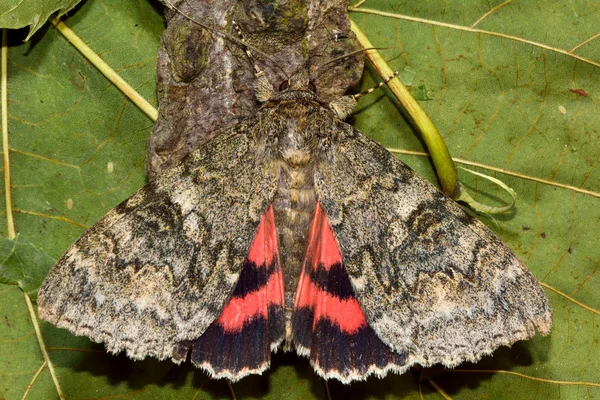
328, 323
240, 341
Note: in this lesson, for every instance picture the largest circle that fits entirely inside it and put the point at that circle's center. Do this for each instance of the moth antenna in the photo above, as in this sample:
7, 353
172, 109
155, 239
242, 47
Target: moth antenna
263, 89
371, 90
257, 70
343, 56
344, 106
242, 43
318, 67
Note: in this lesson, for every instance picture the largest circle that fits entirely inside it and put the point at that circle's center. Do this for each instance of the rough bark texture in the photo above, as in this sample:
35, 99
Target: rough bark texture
205, 81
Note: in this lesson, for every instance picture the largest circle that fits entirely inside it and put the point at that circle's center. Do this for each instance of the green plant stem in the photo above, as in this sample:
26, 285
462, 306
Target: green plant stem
440, 155
42, 345
5, 150
105, 69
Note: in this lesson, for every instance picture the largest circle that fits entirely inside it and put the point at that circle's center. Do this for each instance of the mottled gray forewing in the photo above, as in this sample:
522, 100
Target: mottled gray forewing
433, 281
158, 268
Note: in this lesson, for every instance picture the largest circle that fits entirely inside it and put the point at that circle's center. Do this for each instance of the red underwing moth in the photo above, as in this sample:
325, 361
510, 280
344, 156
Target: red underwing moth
292, 230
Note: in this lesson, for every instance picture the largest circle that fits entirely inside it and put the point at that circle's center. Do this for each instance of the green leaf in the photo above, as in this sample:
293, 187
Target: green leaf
33, 13
23, 264
496, 100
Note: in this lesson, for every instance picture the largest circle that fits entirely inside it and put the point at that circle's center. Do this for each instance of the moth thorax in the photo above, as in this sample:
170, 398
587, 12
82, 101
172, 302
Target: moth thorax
296, 158
296, 148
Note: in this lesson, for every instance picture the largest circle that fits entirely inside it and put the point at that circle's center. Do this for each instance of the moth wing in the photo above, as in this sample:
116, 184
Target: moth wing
158, 269
251, 325
328, 324
435, 284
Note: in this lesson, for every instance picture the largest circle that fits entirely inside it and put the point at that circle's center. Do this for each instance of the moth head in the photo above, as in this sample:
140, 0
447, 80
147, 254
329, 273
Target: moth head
298, 81
342, 106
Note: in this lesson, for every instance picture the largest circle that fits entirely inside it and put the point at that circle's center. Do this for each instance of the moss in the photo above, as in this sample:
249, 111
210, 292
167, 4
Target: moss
305, 47
188, 56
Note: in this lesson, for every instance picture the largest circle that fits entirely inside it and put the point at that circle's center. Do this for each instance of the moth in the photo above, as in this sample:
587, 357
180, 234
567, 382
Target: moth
293, 230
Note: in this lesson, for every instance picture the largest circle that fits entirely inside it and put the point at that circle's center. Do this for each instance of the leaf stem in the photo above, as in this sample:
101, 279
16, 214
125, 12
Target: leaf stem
233, 396
439, 389
5, 150
484, 208
446, 170
106, 70
580, 304
33, 380
42, 345
533, 378
502, 171
479, 31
